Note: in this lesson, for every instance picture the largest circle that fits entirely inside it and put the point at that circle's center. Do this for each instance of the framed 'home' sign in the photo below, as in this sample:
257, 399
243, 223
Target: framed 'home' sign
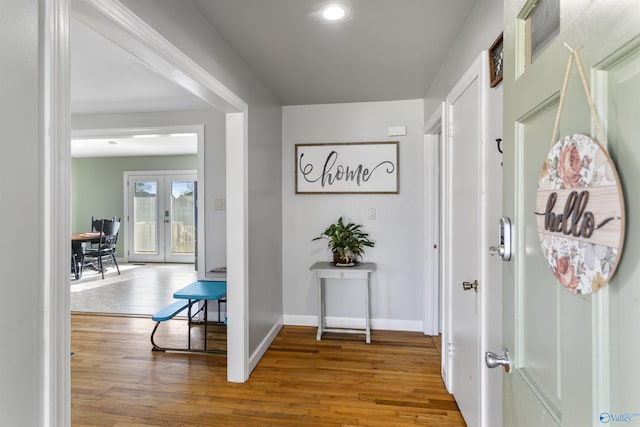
361, 167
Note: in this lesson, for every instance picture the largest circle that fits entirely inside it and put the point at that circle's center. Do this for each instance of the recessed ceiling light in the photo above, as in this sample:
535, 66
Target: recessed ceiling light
334, 12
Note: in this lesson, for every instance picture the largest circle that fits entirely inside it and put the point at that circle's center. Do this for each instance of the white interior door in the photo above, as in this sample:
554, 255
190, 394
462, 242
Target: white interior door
465, 245
161, 217
570, 354
472, 280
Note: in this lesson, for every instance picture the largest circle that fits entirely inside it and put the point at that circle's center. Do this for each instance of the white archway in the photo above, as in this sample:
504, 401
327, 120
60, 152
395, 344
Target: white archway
130, 32
119, 24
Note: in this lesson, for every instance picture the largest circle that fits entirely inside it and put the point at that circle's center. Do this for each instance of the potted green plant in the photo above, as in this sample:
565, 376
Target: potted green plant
346, 241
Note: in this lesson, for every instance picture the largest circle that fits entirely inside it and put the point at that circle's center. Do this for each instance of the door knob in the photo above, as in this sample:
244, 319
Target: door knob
467, 286
492, 360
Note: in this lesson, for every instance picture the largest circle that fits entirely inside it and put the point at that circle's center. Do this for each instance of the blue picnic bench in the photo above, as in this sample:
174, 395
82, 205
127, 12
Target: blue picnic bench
201, 290
170, 311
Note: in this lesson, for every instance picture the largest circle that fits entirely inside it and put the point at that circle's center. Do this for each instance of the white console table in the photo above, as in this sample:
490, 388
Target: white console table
327, 270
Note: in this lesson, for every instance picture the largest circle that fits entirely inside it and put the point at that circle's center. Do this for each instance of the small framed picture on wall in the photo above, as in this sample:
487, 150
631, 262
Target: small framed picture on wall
495, 62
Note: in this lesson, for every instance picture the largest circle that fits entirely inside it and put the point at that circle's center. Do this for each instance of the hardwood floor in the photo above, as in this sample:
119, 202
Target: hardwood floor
116, 380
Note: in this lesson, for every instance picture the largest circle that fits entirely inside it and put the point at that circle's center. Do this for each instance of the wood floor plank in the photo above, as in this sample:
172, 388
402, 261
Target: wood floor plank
116, 380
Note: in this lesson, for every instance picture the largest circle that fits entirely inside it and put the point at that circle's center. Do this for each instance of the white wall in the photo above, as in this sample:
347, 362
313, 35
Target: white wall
396, 288
183, 25
482, 27
22, 358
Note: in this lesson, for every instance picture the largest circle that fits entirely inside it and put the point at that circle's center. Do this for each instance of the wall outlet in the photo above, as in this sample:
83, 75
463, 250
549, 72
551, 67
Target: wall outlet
219, 204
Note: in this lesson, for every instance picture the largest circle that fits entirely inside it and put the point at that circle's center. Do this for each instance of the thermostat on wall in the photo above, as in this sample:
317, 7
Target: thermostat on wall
397, 131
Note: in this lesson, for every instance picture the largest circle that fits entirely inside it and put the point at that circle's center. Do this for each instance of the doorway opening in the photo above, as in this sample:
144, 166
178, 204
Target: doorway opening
143, 285
121, 25
433, 203
168, 60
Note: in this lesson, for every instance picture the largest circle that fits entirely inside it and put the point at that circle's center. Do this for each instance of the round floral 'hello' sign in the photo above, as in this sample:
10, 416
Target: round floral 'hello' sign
580, 214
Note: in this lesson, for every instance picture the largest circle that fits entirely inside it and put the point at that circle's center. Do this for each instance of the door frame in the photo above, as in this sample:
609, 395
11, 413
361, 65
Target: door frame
434, 292
431, 324
142, 41
55, 378
128, 239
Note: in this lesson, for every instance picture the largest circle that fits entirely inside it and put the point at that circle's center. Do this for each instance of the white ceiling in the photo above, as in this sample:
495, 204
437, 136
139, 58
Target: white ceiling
107, 79
387, 50
140, 145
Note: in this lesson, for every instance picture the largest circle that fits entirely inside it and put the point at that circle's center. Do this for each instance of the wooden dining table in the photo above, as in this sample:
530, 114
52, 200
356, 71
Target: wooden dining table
78, 244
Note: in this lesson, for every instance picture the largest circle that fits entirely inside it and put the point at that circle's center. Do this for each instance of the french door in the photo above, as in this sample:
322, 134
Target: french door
161, 220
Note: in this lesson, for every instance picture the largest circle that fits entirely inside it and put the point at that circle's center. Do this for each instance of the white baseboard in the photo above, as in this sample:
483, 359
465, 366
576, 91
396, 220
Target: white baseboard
264, 345
292, 320
351, 322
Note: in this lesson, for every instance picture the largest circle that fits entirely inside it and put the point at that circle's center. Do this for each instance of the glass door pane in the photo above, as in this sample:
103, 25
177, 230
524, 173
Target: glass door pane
145, 203
182, 217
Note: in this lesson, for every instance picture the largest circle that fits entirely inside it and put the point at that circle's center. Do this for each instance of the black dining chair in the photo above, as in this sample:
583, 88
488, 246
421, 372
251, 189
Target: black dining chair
106, 247
96, 225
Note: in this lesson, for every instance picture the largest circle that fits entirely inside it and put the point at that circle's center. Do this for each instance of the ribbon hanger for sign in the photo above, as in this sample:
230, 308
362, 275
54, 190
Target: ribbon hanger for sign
576, 56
